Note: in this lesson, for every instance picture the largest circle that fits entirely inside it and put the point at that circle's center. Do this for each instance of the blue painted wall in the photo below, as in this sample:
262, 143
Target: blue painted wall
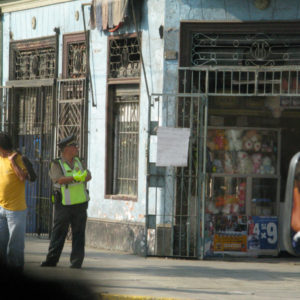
161, 75
217, 10
152, 49
63, 16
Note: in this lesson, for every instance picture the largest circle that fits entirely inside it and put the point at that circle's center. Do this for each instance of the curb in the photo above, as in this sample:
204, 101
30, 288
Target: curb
132, 297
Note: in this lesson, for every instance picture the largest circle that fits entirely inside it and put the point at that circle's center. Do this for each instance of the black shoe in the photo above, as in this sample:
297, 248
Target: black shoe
48, 264
75, 266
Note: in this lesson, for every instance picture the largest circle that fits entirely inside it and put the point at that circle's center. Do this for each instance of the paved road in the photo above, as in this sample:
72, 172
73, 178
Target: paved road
114, 275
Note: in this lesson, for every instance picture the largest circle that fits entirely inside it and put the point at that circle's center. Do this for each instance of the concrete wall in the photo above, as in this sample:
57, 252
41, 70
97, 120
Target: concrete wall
217, 10
152, 50
114, 235
122, 220
161, 75
18, 26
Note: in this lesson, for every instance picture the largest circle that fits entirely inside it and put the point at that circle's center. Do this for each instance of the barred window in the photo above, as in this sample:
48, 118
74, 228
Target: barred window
36, 64
123, 135
124, 57
72, 96
74, 55
124, 63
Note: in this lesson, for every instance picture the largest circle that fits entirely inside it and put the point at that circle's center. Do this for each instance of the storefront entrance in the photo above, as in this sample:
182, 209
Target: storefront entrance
243, 144
250, 143
250, 73
251, 82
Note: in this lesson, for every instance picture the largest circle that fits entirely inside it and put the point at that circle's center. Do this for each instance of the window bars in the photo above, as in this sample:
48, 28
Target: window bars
77, 59
126, 137
124, 58
124, 66
235, 49
35, 64
240, 81
72, 110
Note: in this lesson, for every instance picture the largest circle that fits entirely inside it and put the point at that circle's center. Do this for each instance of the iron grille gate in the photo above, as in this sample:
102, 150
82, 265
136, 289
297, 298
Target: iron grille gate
27, 115
71, 115
176, 197
125, 122
72, 111
241, 81
175, 194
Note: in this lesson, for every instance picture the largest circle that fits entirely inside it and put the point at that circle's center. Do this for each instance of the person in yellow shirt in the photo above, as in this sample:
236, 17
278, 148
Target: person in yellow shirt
12, 204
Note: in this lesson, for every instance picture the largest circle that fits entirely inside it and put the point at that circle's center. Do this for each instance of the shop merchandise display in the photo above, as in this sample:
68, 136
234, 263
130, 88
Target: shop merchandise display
242, 189
266, 166
237, 151
228, 163
244, 163
221, 143
238, 154
256, 162
234, 139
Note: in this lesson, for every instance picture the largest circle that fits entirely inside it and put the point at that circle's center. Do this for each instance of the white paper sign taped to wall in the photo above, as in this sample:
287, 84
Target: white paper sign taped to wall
172, 147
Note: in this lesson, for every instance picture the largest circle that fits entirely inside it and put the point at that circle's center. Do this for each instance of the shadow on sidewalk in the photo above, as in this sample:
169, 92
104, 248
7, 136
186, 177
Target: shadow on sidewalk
15, 284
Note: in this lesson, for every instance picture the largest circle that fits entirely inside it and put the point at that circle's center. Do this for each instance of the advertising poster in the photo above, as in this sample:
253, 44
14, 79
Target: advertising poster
230, 242
262, 233
230, 233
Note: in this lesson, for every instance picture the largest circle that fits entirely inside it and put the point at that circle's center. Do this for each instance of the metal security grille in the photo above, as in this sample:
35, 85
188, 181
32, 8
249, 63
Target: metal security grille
241, 81
124, 57
247, 49
27, 115
72, 111
126, 133
35, 64
176, 194
76, 63
30, 110
124, 66
4, 100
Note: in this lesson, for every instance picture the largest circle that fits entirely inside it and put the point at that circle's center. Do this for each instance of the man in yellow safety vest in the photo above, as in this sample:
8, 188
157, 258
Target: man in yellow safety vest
70, 203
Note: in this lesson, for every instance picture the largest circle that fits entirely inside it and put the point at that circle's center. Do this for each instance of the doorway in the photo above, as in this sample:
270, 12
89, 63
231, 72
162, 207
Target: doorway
27, 115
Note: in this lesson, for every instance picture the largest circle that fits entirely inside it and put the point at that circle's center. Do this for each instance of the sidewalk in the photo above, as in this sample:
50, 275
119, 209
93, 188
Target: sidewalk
120, 276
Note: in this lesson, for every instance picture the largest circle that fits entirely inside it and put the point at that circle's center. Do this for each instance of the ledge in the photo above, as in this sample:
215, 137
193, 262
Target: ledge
12, 5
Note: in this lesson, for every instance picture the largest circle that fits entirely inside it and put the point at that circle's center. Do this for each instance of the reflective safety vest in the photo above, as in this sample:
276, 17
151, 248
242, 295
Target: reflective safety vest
73, 193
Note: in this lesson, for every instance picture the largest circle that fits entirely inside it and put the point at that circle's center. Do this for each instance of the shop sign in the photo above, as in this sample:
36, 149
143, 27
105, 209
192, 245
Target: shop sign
230, 242
230, 233
262, 233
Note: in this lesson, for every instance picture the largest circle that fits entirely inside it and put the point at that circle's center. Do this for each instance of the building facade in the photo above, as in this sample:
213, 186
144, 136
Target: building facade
127, 77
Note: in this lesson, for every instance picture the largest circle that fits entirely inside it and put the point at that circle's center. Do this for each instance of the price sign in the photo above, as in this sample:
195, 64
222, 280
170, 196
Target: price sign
262, 232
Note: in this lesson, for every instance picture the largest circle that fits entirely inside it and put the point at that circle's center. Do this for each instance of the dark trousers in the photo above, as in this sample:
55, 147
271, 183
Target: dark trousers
65, 215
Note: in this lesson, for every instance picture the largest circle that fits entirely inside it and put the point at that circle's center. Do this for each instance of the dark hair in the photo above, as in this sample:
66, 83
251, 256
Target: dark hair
5, 141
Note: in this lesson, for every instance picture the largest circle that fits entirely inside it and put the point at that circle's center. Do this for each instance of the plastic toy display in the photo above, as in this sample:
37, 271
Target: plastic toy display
243, 151
243, 183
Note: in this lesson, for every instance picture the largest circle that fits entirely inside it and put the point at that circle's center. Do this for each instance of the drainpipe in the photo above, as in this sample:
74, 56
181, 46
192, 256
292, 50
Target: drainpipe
87, 44
149, 121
